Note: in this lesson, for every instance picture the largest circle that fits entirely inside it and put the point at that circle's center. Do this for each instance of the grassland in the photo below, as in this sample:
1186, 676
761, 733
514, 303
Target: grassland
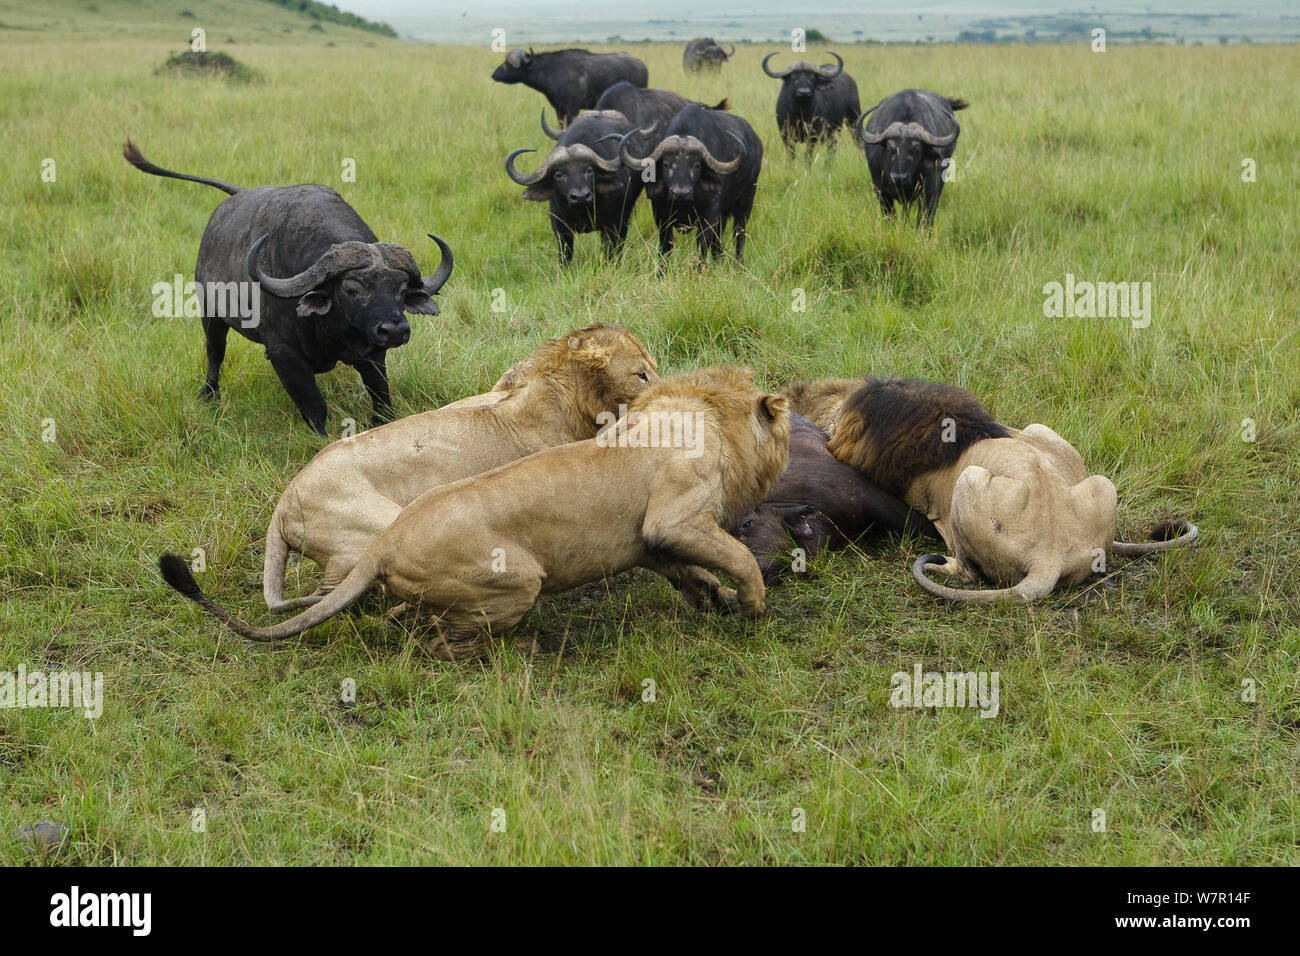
1126, 696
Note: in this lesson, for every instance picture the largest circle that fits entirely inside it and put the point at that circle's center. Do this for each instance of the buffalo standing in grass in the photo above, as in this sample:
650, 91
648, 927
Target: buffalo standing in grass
814, 102
909, 142
703, 54
691, 187
342, 297
649, 110
588, 188
571, 80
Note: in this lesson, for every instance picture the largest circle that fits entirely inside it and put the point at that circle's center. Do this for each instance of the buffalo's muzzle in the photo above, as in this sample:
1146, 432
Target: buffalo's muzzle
391, 334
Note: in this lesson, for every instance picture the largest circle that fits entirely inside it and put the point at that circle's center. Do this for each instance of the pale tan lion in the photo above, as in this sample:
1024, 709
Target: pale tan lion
651, 491
1014, 507
353, 489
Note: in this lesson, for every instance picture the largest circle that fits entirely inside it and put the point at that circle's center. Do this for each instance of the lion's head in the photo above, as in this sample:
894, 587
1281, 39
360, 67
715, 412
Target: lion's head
820, 400
590, 370
745, 431
896, 430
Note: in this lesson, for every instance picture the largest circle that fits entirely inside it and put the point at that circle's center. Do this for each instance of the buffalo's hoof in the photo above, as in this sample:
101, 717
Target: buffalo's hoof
209, 393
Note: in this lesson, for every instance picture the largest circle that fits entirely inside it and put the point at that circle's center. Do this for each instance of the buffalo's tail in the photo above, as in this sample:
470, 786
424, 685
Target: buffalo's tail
131, 153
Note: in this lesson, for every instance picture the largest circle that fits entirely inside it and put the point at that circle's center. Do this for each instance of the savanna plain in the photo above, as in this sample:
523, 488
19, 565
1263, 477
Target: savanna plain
1165, 695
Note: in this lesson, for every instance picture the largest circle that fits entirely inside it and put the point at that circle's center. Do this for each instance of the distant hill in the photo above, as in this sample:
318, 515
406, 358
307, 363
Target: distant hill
244, 21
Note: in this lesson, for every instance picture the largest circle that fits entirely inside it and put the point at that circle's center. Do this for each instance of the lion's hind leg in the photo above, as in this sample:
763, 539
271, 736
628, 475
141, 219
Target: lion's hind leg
461, 631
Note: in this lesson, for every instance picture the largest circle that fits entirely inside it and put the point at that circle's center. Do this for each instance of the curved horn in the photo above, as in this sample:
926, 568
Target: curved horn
633, 162
336, 259
859, 124
585, 153
718, 166
552, 133
1038, 583
733, 50
892, 130
432, 283
1188, 534
526, 179
925, 136
826, 73
781, 75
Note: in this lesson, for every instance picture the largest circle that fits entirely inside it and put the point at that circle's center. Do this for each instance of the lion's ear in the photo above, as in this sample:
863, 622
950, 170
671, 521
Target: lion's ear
773, 406
586, 354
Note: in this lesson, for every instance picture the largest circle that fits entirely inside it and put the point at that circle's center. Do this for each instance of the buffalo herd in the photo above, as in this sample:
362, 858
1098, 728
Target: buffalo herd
698, 163
297, 270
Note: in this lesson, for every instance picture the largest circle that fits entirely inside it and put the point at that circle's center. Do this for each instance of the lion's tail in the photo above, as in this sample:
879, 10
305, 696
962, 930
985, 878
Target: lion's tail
1038, 583
1164, 537
176, 572
273, 568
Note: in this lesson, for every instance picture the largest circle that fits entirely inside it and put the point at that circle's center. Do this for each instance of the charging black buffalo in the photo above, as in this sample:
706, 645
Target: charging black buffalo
331, 291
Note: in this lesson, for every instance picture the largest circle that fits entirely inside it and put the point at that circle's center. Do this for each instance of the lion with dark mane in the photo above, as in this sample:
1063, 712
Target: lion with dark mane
1015, 507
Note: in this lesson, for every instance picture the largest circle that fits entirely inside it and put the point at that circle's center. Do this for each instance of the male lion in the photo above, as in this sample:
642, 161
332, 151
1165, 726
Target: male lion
353, 489
820, 400
477, 553
1014, 507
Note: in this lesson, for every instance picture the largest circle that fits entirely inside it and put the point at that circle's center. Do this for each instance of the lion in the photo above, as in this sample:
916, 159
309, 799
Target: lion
655, 489
820, 400
1015, 507
354, 488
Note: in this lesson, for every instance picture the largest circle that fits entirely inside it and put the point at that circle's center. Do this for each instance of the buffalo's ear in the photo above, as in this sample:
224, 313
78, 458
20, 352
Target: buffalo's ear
799, 511
419, 302
538, 192
315, 302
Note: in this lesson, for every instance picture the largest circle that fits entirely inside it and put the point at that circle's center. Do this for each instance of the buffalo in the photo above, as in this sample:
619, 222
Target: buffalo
703, 54
571, 80
909, 142
691, 187
814, 102
647, 109
331, 291
819, 502
588, 187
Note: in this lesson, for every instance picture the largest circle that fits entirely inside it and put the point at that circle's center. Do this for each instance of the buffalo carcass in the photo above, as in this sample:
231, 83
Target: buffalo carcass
704, 54
814, 102
588, 188
571, 80
330, 292
650, 110
819, 502
691, 187
909, 142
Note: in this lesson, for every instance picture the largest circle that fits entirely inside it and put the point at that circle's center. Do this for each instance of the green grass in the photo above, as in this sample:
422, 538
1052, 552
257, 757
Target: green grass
1128, 698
